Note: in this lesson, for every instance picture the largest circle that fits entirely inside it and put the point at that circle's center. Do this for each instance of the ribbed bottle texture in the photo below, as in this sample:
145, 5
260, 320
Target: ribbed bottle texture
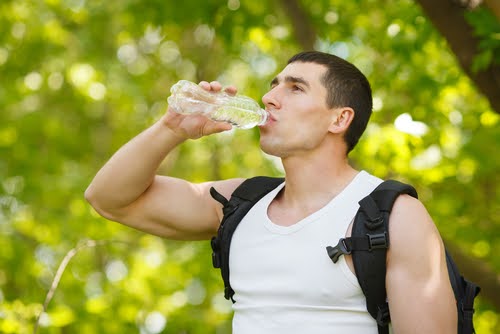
241, 111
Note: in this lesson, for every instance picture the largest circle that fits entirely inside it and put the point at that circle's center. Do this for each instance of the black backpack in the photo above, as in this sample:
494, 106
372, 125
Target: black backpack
368, 245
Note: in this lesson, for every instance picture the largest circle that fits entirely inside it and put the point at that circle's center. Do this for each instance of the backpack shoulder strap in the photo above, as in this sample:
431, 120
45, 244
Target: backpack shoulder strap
234, 209
368, 245
372, 223
465, 292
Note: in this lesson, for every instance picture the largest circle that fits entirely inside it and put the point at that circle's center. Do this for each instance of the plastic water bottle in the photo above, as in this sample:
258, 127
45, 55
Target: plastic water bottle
241, 111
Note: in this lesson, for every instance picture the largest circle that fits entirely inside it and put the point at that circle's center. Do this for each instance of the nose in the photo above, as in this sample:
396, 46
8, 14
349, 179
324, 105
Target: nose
271, 99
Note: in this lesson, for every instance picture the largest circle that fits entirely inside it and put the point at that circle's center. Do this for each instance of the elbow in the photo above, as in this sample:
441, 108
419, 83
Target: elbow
91, 197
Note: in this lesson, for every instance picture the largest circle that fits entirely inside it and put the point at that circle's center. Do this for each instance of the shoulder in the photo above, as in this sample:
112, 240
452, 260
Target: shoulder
225, 187
412, 232
254, 187
409, 214
368, 180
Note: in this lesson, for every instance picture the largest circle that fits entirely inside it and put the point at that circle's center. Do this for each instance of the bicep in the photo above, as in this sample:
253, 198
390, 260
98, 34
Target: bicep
177, 209
420, 296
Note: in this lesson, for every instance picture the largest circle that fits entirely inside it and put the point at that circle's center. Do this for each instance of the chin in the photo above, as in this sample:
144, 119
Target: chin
266, 148
273, 149
275, 145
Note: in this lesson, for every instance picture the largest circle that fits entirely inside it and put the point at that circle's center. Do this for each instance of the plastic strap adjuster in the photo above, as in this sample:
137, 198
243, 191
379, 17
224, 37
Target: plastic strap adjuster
372, 213
215, 260
335, 252
228, 293
383, 315
373, 224
215, 252
377, 241
467, 312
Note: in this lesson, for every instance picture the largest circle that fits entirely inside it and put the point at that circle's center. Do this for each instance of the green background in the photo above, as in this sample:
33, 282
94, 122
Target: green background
78, 78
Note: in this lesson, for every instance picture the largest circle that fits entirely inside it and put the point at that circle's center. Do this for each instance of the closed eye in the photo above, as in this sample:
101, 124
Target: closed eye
297, 88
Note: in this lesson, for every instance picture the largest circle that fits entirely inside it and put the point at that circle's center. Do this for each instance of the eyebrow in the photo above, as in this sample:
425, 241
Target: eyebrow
291, 79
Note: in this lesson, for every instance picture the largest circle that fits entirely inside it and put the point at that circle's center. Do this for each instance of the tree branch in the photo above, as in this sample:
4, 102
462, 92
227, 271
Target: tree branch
448, 18
302, 27
494, 6
62, 267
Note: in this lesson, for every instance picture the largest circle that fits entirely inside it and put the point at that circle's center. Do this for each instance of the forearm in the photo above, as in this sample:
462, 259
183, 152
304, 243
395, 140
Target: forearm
131, 170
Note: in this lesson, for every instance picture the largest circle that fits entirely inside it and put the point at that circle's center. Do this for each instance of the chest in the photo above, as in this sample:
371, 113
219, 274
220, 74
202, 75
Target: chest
289, 216
271, 263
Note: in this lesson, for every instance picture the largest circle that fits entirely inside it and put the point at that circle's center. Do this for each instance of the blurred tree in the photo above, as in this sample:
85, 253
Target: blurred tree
494, 6
476, 43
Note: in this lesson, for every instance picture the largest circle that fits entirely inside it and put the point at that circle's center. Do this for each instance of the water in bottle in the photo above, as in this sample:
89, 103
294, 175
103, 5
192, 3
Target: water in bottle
241, 111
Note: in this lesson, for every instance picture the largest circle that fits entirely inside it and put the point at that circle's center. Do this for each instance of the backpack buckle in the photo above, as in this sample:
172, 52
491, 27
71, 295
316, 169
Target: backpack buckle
377, 241
335, 252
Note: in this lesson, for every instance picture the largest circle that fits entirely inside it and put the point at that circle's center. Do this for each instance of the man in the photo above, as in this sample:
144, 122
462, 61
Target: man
284, 282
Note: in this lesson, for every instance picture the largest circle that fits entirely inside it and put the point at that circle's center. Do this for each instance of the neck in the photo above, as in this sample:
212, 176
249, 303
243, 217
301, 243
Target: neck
315, 180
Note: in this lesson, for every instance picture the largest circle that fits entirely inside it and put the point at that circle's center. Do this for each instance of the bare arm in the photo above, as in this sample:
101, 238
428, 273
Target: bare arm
127, 189
420, 296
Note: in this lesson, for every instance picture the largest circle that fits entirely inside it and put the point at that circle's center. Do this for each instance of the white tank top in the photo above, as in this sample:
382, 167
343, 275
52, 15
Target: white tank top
283, 279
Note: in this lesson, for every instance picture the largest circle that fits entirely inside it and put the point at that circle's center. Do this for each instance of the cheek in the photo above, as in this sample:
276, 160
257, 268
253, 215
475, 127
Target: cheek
309, 109
314, 119
309, 137
305, 134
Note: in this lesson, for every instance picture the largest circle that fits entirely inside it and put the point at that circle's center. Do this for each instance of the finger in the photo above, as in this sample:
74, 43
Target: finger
216, 86
225, 126
205, 85
232, 90
211, 127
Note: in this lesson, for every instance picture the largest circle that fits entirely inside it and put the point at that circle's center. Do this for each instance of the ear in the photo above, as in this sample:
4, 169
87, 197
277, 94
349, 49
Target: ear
342, 118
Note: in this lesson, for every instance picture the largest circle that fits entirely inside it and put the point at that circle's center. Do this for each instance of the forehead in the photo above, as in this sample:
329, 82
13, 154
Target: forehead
311, 72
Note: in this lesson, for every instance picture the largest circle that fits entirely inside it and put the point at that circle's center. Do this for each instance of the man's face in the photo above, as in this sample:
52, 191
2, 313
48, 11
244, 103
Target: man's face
299, 115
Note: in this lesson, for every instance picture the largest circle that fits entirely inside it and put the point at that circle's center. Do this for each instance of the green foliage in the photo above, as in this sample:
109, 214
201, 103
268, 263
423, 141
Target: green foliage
487, 29
80, 78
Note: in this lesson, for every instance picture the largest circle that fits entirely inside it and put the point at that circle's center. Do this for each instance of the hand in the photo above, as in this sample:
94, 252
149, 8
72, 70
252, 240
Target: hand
196, 126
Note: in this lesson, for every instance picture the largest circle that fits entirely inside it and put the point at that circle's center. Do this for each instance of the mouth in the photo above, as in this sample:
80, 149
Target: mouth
270, 120
271, 116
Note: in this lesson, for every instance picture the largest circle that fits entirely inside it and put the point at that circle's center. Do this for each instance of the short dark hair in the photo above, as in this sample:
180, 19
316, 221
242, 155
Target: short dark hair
346, 87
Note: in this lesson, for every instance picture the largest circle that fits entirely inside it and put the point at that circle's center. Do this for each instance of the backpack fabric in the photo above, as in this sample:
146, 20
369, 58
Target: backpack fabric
368, 246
